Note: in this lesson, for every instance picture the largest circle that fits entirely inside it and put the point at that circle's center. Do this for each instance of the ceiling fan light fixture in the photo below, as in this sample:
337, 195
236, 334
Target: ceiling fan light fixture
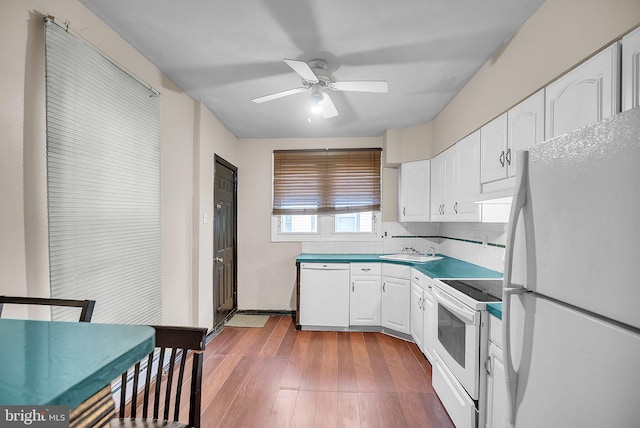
316, 98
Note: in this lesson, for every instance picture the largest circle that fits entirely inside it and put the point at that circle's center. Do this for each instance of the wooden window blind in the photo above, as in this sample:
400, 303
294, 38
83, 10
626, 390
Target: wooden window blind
326, 181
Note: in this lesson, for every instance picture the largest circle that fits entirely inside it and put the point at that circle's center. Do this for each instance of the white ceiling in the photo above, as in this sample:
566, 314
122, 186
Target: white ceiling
225, 53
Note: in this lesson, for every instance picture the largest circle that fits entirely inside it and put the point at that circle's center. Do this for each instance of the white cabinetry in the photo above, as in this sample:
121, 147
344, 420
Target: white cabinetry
417, 308
496, 385
429, 321
586, 94
366, 294
324, 296
422, 313
437, 186
413, 191
455, 181
631, 70
493, 143
525, 129
396, 294
500, 140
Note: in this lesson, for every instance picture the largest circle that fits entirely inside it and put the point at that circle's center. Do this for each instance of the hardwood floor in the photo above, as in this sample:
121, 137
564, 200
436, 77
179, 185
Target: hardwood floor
276, 376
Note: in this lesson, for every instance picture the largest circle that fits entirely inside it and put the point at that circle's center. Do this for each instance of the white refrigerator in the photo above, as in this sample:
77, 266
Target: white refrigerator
571, 295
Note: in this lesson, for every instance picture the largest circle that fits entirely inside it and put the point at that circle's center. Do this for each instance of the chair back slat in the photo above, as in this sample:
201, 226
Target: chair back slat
147, 387
158, 381
134, 397
183, 363
123, 396
196, 389
86, 305
167, 391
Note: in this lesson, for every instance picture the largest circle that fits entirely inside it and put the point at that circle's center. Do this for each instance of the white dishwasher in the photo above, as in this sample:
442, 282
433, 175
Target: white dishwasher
324, 296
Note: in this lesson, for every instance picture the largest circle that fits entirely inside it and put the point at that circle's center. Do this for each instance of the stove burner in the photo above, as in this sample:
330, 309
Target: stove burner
482, 290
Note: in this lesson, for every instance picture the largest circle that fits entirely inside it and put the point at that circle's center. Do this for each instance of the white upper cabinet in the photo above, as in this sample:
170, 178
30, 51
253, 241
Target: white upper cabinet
455, 181
493, 143
437, 187
631, 70
525, 128
468, 178
518, 129
413, 191
587, 94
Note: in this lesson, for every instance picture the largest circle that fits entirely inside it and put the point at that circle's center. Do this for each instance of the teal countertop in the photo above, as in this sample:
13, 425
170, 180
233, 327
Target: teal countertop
448, 267
495, 309
64, 363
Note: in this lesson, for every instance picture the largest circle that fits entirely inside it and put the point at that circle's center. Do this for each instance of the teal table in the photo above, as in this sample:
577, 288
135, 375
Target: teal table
65, 363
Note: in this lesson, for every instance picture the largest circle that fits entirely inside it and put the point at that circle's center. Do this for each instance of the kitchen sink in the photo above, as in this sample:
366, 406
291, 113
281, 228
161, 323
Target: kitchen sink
415, 258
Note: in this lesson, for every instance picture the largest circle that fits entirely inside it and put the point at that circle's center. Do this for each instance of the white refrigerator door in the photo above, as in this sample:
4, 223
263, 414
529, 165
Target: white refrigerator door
584, 202
575, 370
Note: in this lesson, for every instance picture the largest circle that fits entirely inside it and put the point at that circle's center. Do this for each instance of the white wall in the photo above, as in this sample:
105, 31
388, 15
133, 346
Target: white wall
266, 270
211, 138
23, 219
558, 36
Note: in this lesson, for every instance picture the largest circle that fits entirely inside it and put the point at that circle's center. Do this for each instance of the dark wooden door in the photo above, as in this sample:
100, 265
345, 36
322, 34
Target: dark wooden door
224, 240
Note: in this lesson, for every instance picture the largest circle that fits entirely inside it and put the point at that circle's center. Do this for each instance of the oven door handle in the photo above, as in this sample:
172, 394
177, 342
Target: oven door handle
454, 306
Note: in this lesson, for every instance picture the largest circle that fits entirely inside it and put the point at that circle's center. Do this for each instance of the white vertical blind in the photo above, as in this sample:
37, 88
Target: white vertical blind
103, 177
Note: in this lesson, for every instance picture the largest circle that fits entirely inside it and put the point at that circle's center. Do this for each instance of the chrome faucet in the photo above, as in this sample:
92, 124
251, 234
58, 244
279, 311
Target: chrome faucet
410, 250
431, 252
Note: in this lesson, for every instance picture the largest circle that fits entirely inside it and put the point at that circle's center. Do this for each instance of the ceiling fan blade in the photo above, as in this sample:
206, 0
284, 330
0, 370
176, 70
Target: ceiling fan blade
303, 69
278, 95
328, 108
361, 86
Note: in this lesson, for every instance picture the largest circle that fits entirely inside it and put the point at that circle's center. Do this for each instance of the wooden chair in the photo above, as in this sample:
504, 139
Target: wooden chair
86, 305
179, 343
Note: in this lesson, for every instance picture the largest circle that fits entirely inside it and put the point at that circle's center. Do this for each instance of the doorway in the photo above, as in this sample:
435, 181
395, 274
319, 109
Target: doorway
225, 287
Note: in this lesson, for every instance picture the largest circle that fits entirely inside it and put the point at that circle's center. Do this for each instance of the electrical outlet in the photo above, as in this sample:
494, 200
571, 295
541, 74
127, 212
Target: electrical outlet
205, 218
485, 240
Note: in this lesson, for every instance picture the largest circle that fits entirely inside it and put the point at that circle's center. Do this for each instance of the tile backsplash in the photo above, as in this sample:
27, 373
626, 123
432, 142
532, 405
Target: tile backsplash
478, 243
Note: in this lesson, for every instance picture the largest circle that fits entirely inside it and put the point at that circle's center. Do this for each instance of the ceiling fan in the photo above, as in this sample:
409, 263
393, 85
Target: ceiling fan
316, 77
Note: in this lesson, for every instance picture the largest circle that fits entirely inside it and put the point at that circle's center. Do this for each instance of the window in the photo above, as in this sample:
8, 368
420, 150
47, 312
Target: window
325, 194
103, 183
354, 223
298, 224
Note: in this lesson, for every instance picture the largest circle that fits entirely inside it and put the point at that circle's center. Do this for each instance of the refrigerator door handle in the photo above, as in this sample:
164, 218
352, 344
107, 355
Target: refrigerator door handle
519, 200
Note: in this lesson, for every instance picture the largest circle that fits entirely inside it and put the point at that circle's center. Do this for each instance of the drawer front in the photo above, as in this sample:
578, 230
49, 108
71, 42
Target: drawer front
396, 271
495, 330
365, 269
418, 278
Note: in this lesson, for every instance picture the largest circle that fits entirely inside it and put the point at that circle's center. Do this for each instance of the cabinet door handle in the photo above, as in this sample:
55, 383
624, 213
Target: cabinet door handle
508, 157
404, 210
487, 366
383, 289
353, 286
365, 270
502, 158
455, 207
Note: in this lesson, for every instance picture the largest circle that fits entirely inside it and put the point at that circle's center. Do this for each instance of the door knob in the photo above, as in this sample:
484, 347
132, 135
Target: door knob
219, 259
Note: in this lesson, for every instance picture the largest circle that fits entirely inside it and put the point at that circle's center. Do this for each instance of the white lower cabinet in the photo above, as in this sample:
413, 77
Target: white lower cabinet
496, 385
396, 295
417, 313
422, 313
429, 321
366, 294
